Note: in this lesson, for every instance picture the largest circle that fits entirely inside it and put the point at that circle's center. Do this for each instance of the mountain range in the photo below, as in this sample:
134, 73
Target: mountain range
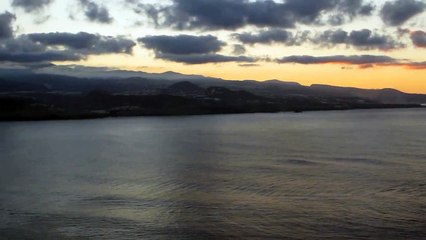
58, 91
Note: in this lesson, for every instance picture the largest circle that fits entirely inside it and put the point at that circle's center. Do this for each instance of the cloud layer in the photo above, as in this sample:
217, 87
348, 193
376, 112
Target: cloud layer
85, 42
189, 49
266, 37
352, 60
182, 44
48, 47
363, 39
362, 61
246, 24
204, 58
234, 14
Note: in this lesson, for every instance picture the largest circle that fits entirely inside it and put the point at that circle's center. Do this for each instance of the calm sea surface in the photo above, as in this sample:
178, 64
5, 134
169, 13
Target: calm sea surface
317, 175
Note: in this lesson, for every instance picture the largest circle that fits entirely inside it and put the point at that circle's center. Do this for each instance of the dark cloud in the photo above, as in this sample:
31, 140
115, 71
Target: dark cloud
47, 47
24, 50
91, 43
419, 38
189, 49
182, 44
95, 12
31, 5
39, 56
361, 61
238, 49
366, 10
339, 59
266, 37
77, 41
363, 39
203, 58
233, 14
397, 12
205, 14
21, 44
331, 37
249, 65
6, 28
113, 45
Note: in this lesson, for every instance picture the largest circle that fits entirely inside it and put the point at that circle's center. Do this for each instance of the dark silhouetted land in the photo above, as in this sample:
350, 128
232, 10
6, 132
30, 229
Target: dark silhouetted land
30, 96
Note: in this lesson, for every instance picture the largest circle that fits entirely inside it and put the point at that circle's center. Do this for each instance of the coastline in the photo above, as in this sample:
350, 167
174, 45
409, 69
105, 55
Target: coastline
20, 118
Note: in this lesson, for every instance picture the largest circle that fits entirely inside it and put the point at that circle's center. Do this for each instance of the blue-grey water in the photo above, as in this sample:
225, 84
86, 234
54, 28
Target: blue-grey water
317, 175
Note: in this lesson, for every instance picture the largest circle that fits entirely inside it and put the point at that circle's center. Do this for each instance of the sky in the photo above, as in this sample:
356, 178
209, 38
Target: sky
357, 43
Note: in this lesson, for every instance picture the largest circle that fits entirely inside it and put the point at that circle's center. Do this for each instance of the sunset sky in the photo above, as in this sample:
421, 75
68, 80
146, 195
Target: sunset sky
360, 43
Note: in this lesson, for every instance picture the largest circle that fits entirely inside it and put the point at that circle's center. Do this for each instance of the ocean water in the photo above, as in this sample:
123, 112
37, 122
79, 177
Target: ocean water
316, 175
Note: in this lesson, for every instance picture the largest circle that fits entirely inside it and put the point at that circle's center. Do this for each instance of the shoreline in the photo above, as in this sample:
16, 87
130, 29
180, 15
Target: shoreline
94, 117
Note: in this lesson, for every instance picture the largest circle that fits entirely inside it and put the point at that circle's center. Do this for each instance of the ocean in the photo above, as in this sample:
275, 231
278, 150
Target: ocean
357, 174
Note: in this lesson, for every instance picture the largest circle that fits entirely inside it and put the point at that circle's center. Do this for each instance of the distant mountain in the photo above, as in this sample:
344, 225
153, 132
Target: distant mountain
104, 73
388, 96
